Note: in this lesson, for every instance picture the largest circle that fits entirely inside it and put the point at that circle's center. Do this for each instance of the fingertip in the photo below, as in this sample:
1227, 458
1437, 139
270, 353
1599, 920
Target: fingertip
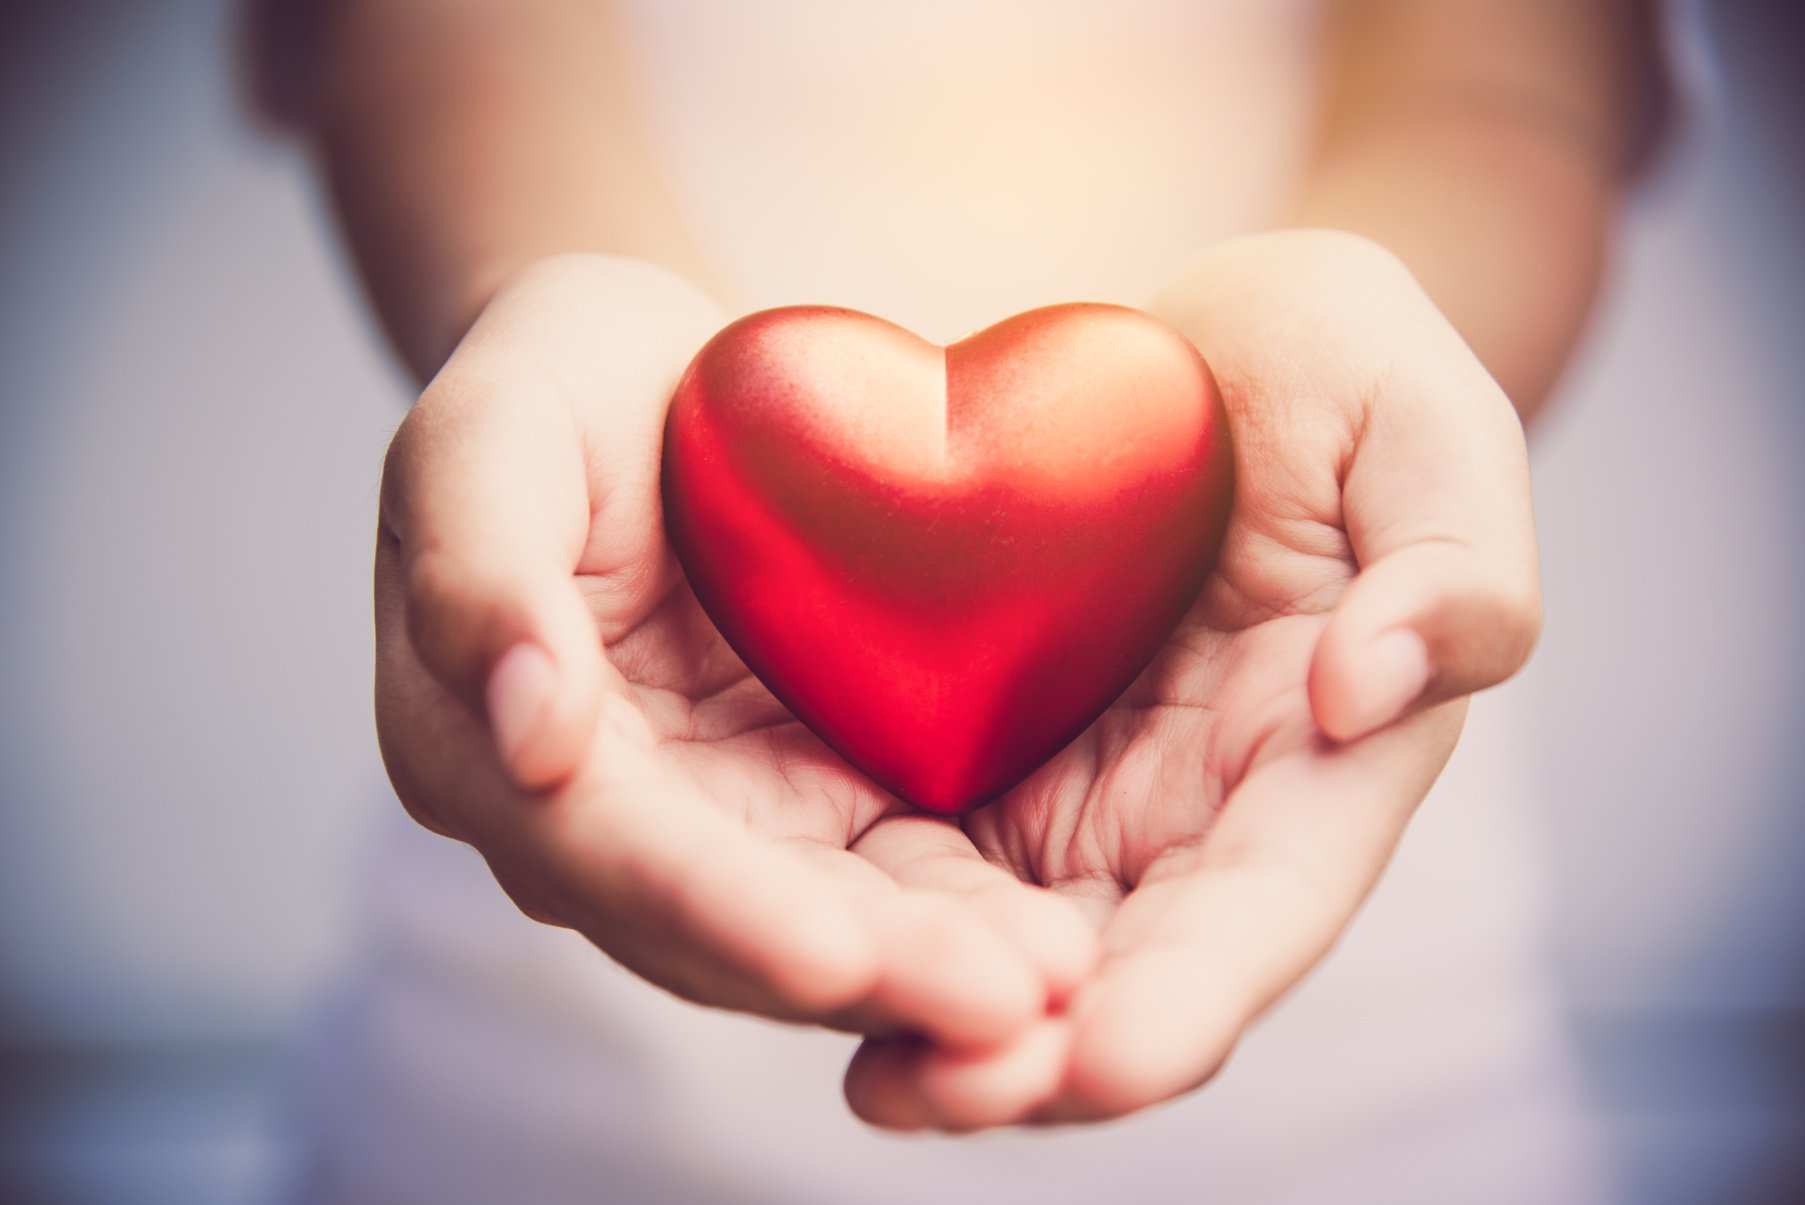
967, 1092
1131, 1050
1055, 937
539, 715
965, 985
1360, 690
906, 1084
519, 694
876, 1085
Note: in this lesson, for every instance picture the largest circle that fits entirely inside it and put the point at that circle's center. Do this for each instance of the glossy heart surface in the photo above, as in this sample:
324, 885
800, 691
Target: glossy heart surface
947, 561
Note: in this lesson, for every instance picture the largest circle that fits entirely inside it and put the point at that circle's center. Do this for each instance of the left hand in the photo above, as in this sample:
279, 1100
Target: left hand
1223, 821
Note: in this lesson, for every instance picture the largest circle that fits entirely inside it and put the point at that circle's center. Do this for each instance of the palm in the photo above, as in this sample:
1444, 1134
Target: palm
723, 734
1147, 779
1143, 781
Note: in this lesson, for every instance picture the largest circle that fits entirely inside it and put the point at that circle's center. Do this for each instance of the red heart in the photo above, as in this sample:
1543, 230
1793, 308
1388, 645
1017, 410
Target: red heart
947, 563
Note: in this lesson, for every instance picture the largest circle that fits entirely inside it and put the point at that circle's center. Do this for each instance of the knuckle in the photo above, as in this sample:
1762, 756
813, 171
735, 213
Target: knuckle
399, 762
397, 466
1520, 609
424, 814
1368, 252
414, 802
531, 894
430, 590
1334, 257
1514, 616
559, 268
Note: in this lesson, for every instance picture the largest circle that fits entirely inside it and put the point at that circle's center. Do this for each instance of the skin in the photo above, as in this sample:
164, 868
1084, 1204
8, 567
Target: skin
1099, 939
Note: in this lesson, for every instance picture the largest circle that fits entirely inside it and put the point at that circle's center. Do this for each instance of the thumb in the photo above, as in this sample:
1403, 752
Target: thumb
485, 499
1447, 600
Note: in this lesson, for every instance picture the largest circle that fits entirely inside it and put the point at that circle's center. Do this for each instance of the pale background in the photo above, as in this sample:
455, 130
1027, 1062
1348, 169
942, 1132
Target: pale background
192, 415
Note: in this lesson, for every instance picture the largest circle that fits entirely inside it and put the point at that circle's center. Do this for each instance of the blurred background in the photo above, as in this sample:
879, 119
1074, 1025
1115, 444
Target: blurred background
192, 416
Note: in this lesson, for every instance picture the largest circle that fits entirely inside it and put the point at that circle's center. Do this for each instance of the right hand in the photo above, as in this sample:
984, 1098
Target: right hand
549, 691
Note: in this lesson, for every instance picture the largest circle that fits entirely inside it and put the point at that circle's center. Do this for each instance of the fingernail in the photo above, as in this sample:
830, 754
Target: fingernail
519, 694
1397, 670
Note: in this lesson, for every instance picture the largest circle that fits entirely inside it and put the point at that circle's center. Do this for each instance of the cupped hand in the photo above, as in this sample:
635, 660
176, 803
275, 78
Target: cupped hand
549, 691
1223, 821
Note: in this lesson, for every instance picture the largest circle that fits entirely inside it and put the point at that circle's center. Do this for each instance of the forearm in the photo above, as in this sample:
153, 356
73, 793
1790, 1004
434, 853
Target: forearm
1486, 143
462, 140
1509, 240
